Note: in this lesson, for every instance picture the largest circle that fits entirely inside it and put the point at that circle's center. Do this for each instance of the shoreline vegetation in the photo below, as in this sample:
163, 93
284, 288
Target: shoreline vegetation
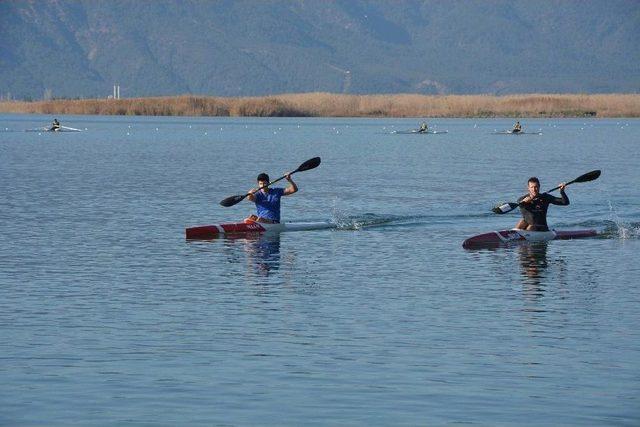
340, 105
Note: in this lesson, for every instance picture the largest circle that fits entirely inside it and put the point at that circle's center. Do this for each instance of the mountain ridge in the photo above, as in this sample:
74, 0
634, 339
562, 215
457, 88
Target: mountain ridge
256, 48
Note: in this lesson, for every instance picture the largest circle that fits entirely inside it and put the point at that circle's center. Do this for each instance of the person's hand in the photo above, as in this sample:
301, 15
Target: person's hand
562, 185
287, 176
527, 199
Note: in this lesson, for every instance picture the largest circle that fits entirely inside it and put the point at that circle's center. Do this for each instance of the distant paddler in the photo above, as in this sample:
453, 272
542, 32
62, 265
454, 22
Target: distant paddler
517, 127
423, 128
55, 126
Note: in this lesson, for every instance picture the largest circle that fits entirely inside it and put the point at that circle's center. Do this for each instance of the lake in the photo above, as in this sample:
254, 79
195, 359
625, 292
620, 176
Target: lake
109, 316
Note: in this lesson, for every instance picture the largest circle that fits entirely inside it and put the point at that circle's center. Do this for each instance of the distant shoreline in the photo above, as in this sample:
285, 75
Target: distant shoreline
339, 105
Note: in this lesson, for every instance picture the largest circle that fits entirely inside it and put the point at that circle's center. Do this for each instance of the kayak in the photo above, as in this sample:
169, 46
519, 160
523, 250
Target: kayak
413, 132
510, 132
251, 227
504, 237
60, 129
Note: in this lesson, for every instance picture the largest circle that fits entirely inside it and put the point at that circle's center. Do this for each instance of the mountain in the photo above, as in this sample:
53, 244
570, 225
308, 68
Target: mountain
81, 48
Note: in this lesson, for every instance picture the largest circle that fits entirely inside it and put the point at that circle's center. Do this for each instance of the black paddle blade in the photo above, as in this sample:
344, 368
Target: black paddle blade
233, 200
504, 208
589, 176
309, 164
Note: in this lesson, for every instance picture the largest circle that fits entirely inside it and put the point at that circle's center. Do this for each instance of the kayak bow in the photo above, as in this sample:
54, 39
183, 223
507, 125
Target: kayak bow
505, 237
251, 227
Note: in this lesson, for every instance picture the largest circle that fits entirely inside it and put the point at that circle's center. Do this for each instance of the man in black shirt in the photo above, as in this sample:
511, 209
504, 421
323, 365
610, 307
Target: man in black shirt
534, 206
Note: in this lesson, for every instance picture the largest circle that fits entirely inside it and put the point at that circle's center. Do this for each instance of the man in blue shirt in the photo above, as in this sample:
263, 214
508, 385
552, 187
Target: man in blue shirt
267, 199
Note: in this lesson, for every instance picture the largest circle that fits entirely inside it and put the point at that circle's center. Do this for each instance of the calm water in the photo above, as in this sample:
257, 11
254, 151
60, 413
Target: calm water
109, 317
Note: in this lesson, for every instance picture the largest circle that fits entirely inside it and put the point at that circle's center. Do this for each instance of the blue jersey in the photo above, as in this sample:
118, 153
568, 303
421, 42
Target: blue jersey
268, 205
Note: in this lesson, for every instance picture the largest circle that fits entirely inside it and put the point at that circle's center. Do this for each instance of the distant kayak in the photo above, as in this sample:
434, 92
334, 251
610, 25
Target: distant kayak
511, 132
238, 228
48, 129
416, 132
505, 237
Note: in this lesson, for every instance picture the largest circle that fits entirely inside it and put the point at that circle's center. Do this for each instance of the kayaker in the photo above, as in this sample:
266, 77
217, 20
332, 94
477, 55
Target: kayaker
423, 128
55, 126
267, 199
534, 206
517, 127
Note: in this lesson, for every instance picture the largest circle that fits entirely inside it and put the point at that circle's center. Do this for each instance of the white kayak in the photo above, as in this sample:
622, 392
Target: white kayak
417, 132
48, 129
510, 132
252, 227
504, 237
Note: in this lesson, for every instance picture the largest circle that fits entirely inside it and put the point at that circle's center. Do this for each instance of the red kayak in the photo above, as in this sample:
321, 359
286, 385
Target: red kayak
251, 227
503, 237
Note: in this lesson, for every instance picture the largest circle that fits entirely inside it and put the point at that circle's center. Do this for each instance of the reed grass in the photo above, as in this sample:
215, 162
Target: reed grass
321, 104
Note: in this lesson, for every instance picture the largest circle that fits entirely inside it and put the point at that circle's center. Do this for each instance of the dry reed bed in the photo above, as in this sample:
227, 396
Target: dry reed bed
338, 105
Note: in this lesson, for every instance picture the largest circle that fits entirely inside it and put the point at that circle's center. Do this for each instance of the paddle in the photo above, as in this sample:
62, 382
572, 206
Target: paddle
508, 207
309, 164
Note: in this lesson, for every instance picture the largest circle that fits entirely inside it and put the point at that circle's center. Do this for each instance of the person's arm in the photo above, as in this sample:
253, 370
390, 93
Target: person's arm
525, 199
251, 194
292, 188
563, 200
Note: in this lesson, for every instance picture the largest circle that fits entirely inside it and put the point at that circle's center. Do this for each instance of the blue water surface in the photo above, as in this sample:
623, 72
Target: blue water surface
109, 316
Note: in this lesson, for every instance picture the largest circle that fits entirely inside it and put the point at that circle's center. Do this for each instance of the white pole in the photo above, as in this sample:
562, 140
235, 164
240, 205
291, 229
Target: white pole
118, 91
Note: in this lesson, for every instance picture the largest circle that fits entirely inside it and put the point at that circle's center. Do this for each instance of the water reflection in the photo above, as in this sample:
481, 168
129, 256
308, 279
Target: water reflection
533, 263
259, 252
263, 253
